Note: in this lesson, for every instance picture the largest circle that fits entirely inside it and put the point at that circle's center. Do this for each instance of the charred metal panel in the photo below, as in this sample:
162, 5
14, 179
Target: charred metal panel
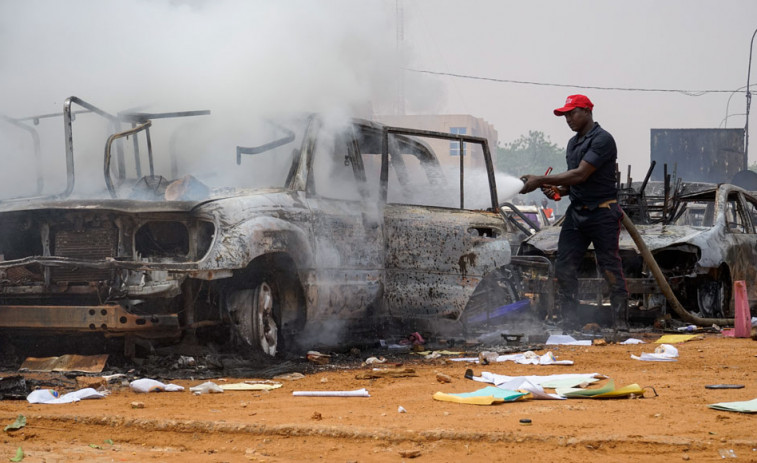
436, 257
699, 155
104, 318
85, 244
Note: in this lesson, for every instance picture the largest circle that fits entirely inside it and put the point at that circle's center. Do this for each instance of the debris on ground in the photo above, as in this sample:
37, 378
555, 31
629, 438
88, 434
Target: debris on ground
662, 353
356, 393
49, 396
318, 358
151, 385
386, 373
207, 387
749, 406
68, 362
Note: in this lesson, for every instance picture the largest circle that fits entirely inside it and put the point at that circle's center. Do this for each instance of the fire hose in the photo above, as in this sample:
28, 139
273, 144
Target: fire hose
685, 315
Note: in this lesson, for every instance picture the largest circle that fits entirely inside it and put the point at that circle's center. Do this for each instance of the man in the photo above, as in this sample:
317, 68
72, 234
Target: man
593, 215
549, 213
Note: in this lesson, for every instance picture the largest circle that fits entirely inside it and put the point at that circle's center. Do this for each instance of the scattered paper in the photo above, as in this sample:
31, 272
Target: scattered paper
633, 341
564, 339
574, 392
356, 393
663, 353
151, 385
749, 406
675, 338
250, 387
548, 381
525, 358
486, 396
531, 358
534, 390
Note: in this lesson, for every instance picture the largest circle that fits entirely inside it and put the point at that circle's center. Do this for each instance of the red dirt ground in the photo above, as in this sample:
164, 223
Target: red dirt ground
276, 426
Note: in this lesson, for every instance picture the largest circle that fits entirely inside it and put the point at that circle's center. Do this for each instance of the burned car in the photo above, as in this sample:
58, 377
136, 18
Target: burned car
308, 233
702, 237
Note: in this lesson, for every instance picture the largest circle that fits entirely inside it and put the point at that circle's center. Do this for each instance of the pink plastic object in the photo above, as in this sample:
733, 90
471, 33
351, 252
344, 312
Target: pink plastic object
743, 322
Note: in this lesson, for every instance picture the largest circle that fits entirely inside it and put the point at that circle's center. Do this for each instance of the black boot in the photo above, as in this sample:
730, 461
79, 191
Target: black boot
569, 317
620, 313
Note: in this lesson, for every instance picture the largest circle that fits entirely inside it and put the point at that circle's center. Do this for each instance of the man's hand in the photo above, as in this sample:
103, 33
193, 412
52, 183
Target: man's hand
552, 192
530, 183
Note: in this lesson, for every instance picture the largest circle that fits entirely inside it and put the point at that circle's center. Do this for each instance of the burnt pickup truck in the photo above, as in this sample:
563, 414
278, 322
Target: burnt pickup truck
309, 231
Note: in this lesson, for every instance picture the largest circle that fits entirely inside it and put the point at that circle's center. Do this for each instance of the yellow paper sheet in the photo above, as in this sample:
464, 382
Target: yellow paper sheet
621, 392
675, 338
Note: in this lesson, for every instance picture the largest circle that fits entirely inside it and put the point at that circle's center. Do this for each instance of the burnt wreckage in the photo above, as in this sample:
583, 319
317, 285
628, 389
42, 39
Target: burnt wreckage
310, 233
703, 237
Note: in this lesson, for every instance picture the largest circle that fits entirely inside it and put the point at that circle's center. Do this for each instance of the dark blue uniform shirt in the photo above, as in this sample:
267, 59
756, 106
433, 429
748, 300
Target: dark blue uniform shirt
597, 148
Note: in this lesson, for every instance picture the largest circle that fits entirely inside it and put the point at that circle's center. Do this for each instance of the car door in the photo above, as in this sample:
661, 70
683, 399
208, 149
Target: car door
437, 249
348, 240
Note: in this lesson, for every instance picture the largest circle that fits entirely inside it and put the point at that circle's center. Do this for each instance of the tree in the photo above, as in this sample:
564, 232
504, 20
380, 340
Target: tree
531, 154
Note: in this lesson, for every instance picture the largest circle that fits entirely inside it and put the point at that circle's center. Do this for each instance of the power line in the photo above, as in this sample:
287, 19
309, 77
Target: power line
545, 84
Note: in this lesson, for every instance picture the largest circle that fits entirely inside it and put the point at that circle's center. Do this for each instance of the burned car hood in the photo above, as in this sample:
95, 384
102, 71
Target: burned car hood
129, 205
655, 236
120, 205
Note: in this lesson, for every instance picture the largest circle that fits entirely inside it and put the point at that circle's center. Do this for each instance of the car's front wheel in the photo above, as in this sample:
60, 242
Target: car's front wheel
714, 296
256, 316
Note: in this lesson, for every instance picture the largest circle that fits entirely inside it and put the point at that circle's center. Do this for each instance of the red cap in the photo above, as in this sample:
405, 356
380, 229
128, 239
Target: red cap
575, 101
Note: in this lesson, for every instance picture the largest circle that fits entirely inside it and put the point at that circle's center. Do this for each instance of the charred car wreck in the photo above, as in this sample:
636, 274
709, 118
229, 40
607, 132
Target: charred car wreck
312, 233
703, 237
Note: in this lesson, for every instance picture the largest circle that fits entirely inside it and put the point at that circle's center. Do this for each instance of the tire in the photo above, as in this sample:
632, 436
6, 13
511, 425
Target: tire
714, 297
267, 308
257, 317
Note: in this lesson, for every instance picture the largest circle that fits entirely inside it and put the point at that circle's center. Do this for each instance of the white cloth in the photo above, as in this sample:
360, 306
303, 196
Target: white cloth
531, 358
49, 396
663, 353
151, 385
565, 340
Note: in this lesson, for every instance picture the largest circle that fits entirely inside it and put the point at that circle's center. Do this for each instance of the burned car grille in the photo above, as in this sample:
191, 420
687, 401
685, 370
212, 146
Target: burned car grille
88, 244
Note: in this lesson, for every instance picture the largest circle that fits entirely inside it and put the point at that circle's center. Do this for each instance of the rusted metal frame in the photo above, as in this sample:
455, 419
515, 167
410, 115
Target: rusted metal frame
290, 136
109, 143
462, 173
384, 179
448, 136
144, 117
149, 151
110, 318
666, 194
137, 163
545, 288
37, 150
68, 129
103, 264
137, 118
520, 214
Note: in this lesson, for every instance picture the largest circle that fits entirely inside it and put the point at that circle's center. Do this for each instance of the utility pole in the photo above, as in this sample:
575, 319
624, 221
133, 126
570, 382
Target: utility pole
748, 104
400, 25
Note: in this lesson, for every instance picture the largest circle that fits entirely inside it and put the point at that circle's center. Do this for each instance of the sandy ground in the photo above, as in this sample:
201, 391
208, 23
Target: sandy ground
276, 426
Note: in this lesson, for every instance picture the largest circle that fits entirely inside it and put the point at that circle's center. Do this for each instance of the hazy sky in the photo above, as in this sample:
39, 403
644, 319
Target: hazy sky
236, 57
645, 44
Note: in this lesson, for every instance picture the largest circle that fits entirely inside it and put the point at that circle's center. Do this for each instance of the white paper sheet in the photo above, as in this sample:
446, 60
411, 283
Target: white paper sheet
356, 393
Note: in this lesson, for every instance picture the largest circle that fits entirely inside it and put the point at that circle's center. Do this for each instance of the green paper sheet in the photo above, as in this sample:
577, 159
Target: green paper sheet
749, 406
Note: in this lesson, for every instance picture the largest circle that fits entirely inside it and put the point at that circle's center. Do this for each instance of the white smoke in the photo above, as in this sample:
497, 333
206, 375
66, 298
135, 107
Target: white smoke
240, 59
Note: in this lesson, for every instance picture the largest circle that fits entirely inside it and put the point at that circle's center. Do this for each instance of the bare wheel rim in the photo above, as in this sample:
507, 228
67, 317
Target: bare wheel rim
266, 329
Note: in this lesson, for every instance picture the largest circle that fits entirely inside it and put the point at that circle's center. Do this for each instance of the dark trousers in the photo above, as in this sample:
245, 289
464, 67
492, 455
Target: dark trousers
600, 226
